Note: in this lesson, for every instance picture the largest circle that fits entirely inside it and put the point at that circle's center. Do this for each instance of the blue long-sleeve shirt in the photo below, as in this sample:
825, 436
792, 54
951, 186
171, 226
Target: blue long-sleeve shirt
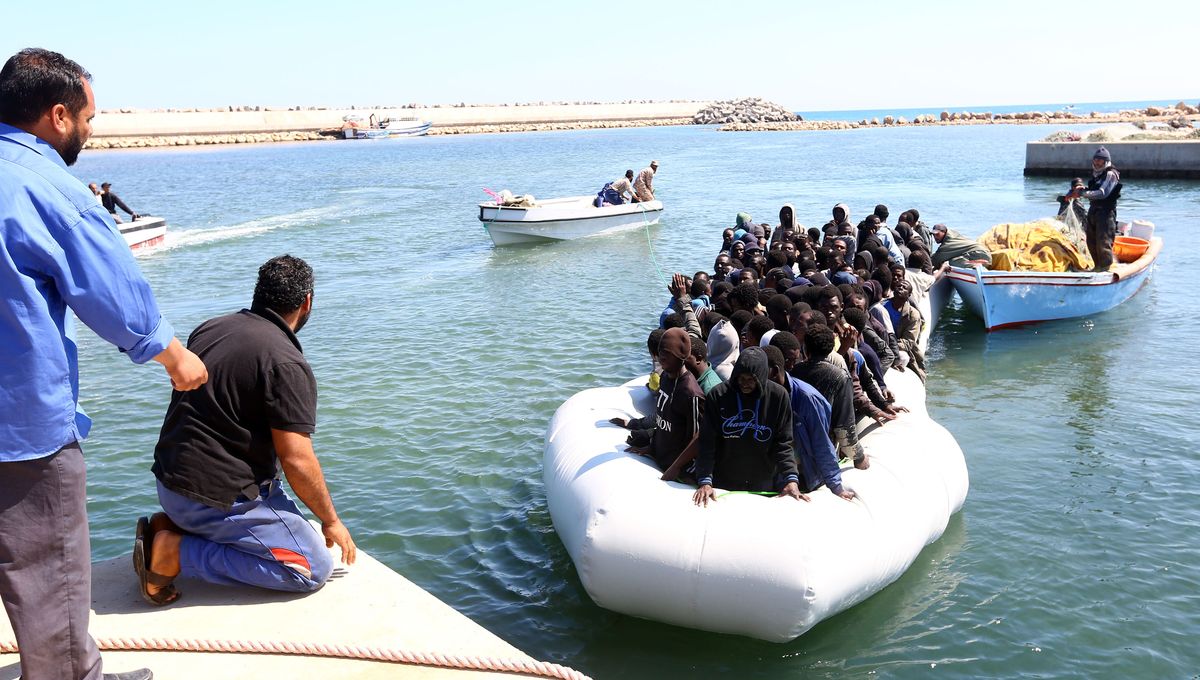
815, 456
59, 249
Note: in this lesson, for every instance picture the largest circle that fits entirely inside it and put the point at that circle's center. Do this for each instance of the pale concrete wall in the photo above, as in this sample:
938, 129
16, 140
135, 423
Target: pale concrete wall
1134, 159
156, 123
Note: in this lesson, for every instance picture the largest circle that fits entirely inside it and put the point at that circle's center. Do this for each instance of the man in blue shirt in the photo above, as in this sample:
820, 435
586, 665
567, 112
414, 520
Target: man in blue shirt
58, 249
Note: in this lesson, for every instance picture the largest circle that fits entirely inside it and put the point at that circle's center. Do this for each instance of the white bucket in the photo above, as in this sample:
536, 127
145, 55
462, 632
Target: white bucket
1142, 229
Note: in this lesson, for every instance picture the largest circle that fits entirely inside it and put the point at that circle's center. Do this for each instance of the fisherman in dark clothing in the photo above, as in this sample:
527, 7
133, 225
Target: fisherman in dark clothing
836, 386
746, 434
1103, 190
112, 201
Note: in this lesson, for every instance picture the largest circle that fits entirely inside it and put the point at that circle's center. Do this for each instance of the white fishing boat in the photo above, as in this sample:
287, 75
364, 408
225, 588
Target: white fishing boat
563, 219
376, 128
145, 232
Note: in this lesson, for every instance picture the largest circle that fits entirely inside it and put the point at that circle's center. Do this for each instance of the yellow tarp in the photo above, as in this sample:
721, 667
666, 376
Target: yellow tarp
1040, 246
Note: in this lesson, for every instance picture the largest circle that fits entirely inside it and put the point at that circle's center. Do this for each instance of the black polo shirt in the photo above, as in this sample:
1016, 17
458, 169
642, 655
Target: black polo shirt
216, 440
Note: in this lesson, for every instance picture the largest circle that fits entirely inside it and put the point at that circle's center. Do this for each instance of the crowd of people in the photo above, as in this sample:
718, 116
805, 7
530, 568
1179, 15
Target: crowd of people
764, 366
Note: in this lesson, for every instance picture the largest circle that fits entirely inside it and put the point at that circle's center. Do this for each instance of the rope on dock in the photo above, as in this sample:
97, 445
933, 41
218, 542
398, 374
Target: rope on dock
436, 659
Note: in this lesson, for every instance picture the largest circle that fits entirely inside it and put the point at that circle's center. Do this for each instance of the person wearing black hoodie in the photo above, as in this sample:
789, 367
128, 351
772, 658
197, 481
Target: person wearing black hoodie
746, 434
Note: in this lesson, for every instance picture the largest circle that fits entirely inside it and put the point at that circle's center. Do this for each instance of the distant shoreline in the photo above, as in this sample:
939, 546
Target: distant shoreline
125, 128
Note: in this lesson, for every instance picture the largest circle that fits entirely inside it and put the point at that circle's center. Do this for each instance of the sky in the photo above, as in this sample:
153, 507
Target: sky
833, 55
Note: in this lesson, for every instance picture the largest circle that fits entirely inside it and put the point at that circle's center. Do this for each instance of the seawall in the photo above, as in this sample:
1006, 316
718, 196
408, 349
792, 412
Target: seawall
1144, 158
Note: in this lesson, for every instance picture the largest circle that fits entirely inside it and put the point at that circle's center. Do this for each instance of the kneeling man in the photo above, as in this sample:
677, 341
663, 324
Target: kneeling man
226, 516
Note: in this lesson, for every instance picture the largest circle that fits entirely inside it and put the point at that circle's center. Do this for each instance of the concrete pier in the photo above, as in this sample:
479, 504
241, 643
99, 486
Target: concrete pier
1170, 159
367, 605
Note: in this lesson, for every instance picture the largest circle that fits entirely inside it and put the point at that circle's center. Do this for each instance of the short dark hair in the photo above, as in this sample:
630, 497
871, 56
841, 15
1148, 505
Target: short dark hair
34, 79
774, 357
818, 342
855, 317
673, 320
744, 296
283, 284
699, 348
785, 340
759, 326
654, 340
739, 319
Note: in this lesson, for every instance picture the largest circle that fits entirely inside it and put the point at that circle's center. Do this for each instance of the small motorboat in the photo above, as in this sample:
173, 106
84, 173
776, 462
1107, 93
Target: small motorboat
563, 219
145, 232
377, 128
1012, 298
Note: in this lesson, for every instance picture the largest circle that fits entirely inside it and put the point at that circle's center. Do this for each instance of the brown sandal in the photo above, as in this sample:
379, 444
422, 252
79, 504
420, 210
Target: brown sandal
141, 564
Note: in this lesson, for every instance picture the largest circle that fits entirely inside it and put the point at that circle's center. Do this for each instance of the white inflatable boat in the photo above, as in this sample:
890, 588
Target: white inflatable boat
763, 567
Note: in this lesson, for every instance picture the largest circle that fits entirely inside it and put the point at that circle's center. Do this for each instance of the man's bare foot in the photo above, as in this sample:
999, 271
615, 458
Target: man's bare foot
164, 553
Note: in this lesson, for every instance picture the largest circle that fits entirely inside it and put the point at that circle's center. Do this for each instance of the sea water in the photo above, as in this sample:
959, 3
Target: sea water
441, 359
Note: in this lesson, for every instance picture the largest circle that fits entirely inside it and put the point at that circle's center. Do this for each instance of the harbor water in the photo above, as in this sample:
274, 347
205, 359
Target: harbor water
441, 359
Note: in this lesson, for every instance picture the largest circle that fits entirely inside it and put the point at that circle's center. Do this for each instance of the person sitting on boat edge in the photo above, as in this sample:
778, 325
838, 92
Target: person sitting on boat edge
908, 322
745, 441
957, 249
226, 518
1103, 190
643, 186
111, 202
816, 462
614, 193
697, 363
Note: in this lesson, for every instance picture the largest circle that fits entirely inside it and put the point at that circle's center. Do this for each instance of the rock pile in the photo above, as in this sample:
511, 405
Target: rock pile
749, 110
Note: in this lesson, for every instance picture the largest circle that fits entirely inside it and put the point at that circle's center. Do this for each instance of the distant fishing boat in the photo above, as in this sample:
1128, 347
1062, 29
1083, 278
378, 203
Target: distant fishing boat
145, 232
383, 128
1005, 299
563, 219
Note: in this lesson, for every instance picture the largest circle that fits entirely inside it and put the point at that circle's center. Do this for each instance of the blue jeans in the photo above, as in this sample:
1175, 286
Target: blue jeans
263, 542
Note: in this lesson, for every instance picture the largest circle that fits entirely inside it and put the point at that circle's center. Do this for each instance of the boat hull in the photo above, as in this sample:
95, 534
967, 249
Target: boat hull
564, 220
144, 233
385, 133
1008, 299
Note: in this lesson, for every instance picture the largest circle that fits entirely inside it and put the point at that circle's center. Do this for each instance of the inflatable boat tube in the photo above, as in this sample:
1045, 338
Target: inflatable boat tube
762, 567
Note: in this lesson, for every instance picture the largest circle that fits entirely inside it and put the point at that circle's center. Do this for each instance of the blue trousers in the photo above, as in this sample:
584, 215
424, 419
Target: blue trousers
263, 542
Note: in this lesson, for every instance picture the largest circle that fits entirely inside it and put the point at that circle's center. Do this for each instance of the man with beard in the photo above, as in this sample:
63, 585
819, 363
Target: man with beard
226, 518
746, 434
58, 251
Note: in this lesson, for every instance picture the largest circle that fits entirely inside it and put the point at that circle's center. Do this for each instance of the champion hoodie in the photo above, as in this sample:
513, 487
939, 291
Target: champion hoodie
746, 439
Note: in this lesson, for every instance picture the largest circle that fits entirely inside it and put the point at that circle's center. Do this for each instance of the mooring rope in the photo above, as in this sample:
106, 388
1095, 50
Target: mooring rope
340, 651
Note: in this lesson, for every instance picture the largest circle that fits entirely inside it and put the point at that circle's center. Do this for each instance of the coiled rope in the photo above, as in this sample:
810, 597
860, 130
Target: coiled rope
340, 651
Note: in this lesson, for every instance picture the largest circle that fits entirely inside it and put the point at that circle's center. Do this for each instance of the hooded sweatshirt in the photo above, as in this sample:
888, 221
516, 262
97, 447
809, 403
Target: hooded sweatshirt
787, 221
746, 439
831, 227
723, 348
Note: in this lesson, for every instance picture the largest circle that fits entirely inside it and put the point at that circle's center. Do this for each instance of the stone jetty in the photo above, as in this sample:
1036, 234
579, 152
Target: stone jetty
1180, 115
751, 110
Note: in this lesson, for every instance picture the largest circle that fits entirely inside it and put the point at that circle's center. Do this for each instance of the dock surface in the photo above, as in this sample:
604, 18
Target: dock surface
367, 605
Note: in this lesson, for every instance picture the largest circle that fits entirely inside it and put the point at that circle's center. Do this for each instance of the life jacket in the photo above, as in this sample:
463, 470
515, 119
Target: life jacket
1109, 203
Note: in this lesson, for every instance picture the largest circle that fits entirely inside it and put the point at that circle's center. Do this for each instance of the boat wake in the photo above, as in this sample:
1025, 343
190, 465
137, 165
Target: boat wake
181, 238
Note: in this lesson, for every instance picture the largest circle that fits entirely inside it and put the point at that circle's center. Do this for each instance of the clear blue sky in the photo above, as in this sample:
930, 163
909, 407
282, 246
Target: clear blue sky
837, 54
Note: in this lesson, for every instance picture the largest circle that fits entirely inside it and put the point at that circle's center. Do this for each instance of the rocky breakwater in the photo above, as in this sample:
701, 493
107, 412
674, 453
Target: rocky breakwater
1181, 115
202, 140
744, 111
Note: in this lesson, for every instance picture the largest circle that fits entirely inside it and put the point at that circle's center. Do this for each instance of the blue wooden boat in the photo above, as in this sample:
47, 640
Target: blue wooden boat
1004, 299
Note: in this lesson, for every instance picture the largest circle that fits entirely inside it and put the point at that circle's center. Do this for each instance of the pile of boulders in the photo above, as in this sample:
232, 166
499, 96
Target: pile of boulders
749, 110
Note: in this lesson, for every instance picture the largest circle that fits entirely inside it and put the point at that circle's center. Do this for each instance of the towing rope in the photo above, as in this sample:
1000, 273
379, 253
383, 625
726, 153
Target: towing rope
339, 651
650, 246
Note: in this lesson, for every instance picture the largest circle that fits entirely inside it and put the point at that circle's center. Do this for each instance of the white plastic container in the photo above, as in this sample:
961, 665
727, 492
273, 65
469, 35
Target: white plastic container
1143, 229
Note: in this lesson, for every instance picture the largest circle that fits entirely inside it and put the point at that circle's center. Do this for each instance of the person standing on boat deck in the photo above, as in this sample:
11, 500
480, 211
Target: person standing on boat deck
111, 202
643, 186
1103, 190
61, 254
227, 519
746, 434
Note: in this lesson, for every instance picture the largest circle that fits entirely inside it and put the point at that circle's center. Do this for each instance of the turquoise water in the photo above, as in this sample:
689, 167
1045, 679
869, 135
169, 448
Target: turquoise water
441, 359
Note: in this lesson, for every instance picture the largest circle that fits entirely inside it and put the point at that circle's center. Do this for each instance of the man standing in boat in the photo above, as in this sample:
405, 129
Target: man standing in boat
1103, 190
112, 201
61, 254
643, 186
227, 519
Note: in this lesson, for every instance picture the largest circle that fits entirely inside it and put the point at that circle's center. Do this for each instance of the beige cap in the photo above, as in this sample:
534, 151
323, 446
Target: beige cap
654, 164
